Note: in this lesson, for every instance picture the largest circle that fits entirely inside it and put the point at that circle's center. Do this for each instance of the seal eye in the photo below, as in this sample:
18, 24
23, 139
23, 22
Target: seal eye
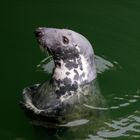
65, 40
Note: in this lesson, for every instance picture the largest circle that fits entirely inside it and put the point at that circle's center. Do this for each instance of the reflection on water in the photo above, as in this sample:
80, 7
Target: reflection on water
127, 126
75, 123
122, 127
124, 101
103, 64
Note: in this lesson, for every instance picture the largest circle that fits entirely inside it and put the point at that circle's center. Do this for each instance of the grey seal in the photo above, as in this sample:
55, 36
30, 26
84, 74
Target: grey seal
73, 74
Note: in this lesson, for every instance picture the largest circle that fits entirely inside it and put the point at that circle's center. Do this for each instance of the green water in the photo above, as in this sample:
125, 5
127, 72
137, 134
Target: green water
113, 26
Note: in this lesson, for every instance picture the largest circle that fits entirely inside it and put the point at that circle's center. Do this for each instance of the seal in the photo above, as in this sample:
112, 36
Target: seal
74, 71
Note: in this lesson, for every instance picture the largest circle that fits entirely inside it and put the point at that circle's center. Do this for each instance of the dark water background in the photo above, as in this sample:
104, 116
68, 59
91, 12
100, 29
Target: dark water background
113, 26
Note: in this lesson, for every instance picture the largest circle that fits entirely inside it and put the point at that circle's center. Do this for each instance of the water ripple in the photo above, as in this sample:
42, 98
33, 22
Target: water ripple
123, 126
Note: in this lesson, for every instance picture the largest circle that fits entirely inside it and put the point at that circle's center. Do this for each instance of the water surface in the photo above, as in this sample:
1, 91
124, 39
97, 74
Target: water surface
113, 29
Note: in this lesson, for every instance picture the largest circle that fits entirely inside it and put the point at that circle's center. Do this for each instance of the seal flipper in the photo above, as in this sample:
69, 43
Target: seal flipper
47, 115
28, 93
36, 101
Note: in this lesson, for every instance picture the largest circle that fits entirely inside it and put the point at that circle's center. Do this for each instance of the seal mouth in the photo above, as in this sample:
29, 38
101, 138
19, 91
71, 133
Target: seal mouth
39, 34
49, 55
44, 48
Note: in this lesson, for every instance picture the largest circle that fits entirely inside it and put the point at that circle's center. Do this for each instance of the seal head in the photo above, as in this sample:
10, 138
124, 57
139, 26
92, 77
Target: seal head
72, 53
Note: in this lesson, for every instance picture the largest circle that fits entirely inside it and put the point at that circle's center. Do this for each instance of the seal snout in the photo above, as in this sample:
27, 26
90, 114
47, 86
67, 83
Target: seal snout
39, 32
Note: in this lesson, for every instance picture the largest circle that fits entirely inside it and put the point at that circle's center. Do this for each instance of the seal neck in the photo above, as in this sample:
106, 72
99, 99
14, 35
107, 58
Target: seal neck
69, 74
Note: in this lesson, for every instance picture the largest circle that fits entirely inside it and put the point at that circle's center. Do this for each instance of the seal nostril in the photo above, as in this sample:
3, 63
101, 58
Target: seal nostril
39, 33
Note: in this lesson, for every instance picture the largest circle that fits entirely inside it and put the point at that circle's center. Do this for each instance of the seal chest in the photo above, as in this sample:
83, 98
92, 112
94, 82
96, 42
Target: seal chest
73, 72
